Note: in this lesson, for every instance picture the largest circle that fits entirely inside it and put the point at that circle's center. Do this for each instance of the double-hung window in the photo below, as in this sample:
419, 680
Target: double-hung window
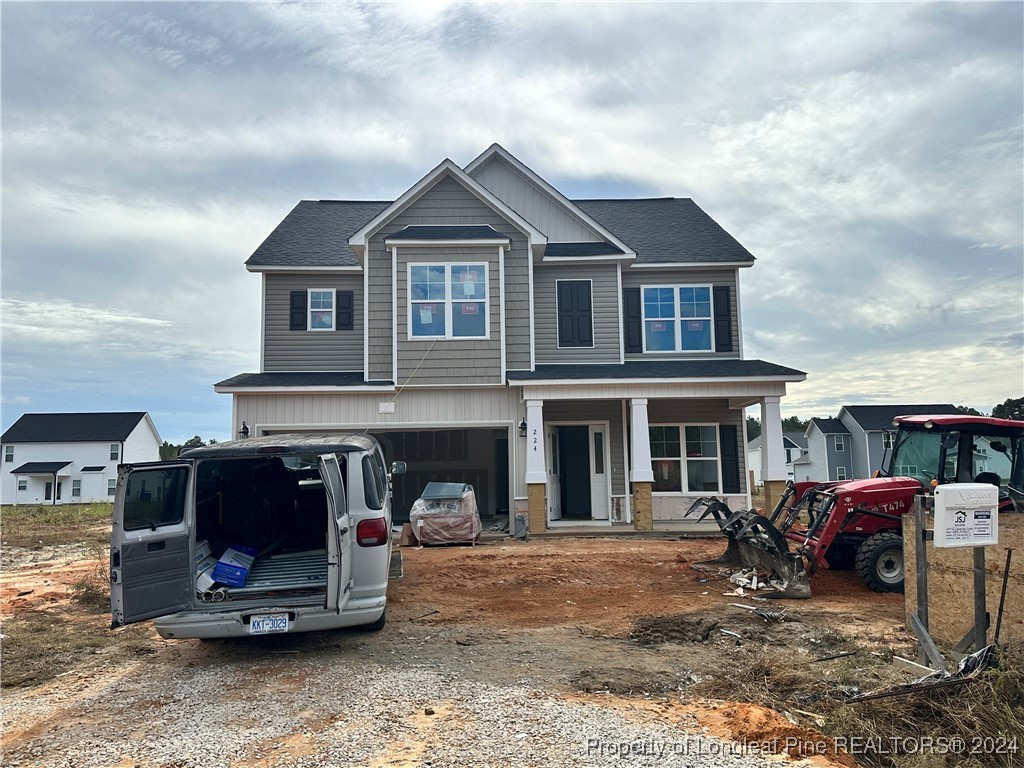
685, 458
8, 453
115, 452
677, 318
321, 309
448, 301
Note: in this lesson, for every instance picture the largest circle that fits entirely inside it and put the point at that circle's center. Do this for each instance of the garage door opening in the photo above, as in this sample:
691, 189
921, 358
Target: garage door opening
479, 457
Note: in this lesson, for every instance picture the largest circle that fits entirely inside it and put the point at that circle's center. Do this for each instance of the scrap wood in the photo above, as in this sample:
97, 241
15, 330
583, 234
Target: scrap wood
842, 655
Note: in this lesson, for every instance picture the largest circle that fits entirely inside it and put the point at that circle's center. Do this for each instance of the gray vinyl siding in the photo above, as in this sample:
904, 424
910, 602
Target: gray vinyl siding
446, 203
449, 361
605, 303
287, 350
702, 412
636, 278
532, 203
589, 411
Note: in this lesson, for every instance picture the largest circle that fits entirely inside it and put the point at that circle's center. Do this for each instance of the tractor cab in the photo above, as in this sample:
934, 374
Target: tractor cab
961, 449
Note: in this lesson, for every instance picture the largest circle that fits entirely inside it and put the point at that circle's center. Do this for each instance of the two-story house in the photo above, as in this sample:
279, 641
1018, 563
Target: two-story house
794, 446
579, 360
70, 458
857, 442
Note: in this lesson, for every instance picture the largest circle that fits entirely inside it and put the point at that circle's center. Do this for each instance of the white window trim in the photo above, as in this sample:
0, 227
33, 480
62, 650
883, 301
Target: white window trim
310, 310
593, 338
682, 459
111, 486
838, 444
449, 301
841, 473
76, 488
115, 452
8, 454
22, 484
677, 319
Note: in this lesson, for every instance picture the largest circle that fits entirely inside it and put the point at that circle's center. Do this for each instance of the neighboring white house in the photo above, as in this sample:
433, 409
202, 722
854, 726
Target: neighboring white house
71, 458
794, 444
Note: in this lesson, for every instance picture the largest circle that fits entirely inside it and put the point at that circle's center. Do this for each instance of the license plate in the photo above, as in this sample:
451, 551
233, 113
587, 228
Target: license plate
268, 624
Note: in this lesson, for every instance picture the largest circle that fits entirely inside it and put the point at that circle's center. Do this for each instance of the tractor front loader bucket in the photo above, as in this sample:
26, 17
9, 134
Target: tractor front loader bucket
754, 542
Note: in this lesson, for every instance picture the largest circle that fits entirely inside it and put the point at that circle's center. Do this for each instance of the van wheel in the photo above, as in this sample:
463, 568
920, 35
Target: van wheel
880, 562
377, 625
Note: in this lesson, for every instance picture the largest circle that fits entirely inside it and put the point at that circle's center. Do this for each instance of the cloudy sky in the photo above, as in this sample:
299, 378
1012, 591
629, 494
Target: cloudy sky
869, 155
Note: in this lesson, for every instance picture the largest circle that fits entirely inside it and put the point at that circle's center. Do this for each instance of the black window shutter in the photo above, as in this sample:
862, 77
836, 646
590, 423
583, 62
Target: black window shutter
723, 319
633, 320
584, 314
566, 315
730, 458
297, 311
345, 319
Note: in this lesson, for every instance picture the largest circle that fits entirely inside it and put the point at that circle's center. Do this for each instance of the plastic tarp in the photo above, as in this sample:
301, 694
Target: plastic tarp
444, 519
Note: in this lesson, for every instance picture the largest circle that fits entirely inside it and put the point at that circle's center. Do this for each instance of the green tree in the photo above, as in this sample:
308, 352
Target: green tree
794, 424
192, 442
168, 451
966, 410
753, 427
1011, 408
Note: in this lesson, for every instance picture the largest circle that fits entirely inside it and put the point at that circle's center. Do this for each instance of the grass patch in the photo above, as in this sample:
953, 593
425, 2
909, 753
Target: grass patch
984, 713
45, 525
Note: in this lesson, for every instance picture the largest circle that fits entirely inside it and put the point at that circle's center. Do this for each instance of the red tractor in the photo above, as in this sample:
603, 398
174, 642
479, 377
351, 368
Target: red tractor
858, 523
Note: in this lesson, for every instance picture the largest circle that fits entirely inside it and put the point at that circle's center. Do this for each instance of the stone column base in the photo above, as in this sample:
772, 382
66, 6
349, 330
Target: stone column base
643, 509
535, 492
773, 491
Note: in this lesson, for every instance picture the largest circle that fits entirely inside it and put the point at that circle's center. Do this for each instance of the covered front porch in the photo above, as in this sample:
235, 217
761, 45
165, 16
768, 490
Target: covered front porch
604, 453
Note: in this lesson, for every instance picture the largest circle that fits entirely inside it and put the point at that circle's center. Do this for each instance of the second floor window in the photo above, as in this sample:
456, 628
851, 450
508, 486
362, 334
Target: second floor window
321, 310
115, 452
839, 443
677, 318
448, 301
8, 453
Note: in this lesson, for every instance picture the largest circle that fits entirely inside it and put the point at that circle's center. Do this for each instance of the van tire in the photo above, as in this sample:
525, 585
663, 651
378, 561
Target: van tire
375, 626
880, 562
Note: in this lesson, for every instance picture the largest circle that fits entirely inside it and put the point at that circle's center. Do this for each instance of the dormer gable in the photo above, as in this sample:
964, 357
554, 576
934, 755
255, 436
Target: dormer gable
444, 170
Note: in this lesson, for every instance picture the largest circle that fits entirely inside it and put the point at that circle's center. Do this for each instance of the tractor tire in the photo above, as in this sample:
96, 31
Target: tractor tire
880, 562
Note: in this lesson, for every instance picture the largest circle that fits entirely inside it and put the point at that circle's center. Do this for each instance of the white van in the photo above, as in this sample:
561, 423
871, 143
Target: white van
287, 533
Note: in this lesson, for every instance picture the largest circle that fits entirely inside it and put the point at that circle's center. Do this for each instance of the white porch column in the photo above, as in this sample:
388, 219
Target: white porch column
640, 461
536, 470
773, 453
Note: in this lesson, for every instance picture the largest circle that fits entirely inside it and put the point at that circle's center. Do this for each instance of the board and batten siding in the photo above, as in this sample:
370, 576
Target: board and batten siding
287, 350
531, 202
449, 361
604, 301
591, 411
414, 409
448, 202
637, 278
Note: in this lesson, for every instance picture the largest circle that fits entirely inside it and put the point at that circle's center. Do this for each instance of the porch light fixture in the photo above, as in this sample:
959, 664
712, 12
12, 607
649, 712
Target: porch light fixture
522, 428
244, 431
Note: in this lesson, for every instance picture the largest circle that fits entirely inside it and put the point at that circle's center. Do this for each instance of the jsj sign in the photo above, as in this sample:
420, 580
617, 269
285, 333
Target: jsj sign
966, 515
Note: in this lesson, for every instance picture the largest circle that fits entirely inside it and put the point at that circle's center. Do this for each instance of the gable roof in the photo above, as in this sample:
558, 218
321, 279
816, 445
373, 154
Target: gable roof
328, 234
668, 230
445, 169
829, 426
797, 438
73, 427
879, 417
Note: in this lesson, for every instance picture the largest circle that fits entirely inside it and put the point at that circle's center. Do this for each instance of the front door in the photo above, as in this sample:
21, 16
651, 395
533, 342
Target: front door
574, 461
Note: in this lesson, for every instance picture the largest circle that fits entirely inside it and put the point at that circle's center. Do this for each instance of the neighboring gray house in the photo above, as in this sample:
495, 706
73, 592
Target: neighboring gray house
856, 443
69, 458
577, 361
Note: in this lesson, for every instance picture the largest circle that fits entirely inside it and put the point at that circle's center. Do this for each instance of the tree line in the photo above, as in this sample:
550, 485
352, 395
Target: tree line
169, 451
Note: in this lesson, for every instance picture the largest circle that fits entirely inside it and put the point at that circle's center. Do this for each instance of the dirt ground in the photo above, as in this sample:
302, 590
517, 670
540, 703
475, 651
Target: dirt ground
625, 624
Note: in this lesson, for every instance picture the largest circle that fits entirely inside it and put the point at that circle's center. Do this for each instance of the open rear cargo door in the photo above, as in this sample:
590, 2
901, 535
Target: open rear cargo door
151, 569
339, 535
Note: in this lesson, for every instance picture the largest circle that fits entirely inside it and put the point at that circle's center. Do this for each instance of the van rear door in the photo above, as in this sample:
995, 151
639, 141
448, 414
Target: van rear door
151, 568
339, 535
